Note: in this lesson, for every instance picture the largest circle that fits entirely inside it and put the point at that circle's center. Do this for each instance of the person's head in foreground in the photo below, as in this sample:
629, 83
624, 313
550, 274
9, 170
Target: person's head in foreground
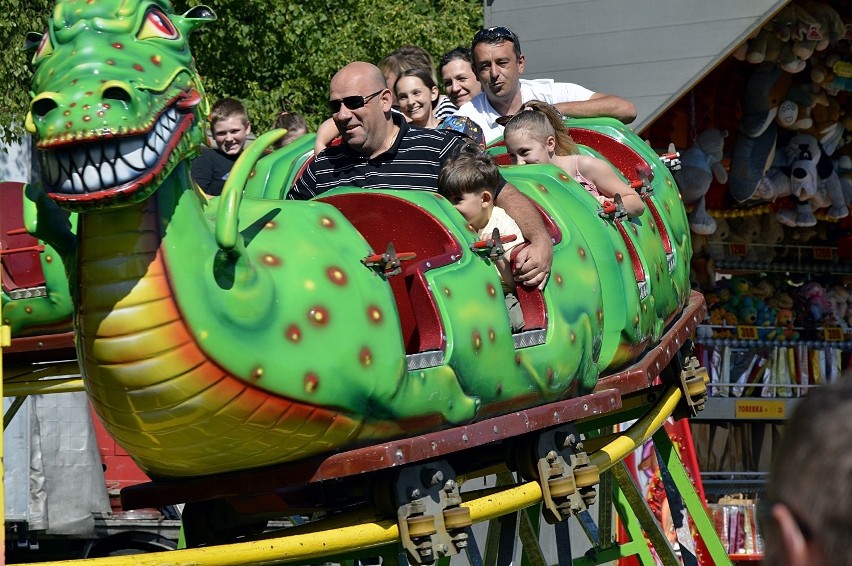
806, 517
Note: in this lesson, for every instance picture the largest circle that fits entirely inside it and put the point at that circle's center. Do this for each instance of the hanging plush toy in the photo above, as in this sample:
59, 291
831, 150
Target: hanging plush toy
700, 164
814, 182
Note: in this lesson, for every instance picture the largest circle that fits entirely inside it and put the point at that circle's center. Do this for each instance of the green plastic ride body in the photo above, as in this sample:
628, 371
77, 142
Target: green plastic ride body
229, 333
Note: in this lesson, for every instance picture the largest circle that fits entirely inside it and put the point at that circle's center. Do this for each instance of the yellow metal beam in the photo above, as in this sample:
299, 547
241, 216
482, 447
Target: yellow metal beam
43, 387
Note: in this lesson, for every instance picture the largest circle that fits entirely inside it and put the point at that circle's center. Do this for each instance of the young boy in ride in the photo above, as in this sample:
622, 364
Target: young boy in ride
468, 180
537, 134
230, 127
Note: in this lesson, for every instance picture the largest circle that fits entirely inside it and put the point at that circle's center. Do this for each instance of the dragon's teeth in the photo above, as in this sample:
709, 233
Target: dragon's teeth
77, 183
134, 159
91, 176
150, 156
123, 172
107, 175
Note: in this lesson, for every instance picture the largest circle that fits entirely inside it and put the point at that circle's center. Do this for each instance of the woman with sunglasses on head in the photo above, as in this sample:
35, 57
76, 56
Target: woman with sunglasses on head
417, 95
537, 134
460, 82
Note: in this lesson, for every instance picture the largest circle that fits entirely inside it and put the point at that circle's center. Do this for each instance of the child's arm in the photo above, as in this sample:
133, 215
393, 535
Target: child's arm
609, 183
326, 132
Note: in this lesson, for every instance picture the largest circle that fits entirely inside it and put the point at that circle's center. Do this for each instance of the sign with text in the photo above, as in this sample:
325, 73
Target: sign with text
760, 409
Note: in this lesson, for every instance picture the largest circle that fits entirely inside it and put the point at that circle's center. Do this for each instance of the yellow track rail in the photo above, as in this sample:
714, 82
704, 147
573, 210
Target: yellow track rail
360, 531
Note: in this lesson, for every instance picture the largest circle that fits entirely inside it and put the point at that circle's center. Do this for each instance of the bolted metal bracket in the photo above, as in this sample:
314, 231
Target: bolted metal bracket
388, 263
693, 382
563, 469
432, 521
613, 208
493, 247
671, 158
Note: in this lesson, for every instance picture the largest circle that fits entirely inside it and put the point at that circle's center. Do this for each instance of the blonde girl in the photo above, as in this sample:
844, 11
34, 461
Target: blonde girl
536, 134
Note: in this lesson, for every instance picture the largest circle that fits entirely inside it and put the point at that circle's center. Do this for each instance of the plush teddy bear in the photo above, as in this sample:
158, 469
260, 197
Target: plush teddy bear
746, 230
717, 246
837, 297
827, 127
781, 300
700, 164
784, 325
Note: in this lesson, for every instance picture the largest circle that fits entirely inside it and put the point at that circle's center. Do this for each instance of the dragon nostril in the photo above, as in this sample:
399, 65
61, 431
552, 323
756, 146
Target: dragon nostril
117, 93
42, 106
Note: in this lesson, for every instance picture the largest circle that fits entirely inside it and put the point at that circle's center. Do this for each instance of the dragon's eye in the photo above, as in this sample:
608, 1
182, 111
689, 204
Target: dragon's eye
45, 48
156, 24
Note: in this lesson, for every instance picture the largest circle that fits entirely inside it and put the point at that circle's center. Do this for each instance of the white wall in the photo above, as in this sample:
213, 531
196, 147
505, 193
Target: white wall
649, 51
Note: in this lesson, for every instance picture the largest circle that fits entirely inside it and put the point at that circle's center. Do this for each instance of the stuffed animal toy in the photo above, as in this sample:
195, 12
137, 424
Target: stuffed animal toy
838, 301
700, 164
766, 43
717, 242
843, 166
763, 289
781, 300
754, 147
808, 34
829, 28
827, 127
765, 46
794, 113
818, 307
814, 183
784, 325
746, 230
774, 184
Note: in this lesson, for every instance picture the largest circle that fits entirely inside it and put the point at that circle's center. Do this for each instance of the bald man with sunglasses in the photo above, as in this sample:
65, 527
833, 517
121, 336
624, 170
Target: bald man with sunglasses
380, 150
499, 64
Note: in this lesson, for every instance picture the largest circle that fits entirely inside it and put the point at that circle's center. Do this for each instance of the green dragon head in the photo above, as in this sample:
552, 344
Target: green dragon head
115, 110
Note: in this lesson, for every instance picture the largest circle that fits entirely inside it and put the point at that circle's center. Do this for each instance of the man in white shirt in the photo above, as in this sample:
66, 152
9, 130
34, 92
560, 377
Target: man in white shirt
499, 64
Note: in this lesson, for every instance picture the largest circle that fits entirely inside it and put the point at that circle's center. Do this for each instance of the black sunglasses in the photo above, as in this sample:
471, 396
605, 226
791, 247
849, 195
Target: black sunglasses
352, 102
493, 34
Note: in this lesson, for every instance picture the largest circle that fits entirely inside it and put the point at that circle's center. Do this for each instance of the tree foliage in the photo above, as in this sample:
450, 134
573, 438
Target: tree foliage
276, 55
270, 54
19, 17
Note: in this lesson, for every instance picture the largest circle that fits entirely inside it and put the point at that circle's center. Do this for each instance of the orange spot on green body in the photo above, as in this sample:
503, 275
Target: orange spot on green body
311, 382
374, 314
293, 334
477, 341
336, 275
272, 260
318, 316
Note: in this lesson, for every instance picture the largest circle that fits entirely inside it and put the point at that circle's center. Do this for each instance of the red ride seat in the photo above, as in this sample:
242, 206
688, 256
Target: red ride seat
19, 252
622, 156
384, 219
